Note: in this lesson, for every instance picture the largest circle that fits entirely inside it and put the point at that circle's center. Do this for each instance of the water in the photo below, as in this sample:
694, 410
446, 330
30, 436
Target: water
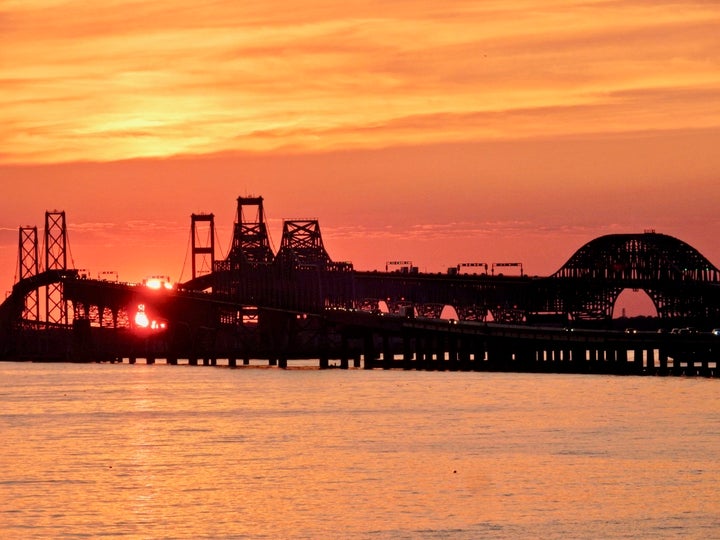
121, 451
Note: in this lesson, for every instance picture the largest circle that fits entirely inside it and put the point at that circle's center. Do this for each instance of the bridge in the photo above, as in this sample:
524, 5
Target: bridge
299, 303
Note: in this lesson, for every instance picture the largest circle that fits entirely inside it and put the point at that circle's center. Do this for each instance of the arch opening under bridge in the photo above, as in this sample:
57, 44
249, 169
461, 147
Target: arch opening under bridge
634, 303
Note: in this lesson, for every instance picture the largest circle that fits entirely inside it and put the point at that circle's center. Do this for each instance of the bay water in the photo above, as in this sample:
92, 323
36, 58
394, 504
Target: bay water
156, 451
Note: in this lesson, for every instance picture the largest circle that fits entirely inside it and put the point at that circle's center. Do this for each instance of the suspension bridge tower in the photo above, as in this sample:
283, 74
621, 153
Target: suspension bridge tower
203, 243
56, 311
28, 265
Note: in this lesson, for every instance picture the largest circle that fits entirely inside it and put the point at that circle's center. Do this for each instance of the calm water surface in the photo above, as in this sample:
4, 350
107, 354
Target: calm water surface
135, 451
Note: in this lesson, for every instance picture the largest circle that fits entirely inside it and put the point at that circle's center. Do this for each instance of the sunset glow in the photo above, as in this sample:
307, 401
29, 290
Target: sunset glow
429, 131
129, 79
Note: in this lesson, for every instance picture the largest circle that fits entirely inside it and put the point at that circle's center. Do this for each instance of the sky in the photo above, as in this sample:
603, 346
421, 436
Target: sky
436, 132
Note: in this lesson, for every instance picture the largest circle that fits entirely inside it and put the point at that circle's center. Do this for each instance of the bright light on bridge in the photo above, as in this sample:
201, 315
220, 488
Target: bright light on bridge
158, 282
141, 318
143, 321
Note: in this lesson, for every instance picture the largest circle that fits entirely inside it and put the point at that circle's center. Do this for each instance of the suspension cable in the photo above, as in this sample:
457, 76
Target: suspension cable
187, 250
41, 262
67, 244
217, 242
19, 258
267, 231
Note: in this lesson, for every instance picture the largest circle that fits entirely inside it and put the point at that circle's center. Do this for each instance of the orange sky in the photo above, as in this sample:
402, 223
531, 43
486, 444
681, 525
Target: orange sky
439, 132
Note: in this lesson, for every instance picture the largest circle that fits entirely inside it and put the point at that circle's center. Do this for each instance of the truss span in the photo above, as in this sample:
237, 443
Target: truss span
681, 282
642, 257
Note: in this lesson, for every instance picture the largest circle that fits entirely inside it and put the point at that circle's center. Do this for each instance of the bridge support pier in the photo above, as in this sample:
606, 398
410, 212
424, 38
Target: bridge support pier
605, 360
419, 352
546, 358
576, 358
610, 358
568, 361
463, 356
479, 361
498, 358
663, 357
344, 352
558, 363
637, 363
707, 370
437, 354
592, 360
407, 355
453, 354
525, 357
387, 354
426, 353
549, 359
650, 364
575, 364
368, 351
555, 364
440, 348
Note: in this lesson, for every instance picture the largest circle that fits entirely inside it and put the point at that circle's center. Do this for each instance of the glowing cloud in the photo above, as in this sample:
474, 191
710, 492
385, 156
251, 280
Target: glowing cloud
123, 79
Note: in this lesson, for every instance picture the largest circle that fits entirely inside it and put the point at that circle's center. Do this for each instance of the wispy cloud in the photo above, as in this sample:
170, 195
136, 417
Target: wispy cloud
93, 227
461, 230
121, 79
148, 226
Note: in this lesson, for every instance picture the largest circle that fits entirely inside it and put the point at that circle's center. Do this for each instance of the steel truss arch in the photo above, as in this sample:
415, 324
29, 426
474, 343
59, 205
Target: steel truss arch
639, 257
679, 280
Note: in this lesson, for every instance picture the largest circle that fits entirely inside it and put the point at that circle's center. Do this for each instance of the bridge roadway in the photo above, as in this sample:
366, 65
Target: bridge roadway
299, 303
203, 326
393, 341
345, 337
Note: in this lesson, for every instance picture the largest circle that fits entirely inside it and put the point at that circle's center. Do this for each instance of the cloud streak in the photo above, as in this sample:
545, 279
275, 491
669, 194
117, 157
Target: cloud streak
125, 79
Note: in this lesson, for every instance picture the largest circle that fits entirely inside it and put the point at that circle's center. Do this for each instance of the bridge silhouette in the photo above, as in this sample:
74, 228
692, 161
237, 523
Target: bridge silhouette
299, 303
